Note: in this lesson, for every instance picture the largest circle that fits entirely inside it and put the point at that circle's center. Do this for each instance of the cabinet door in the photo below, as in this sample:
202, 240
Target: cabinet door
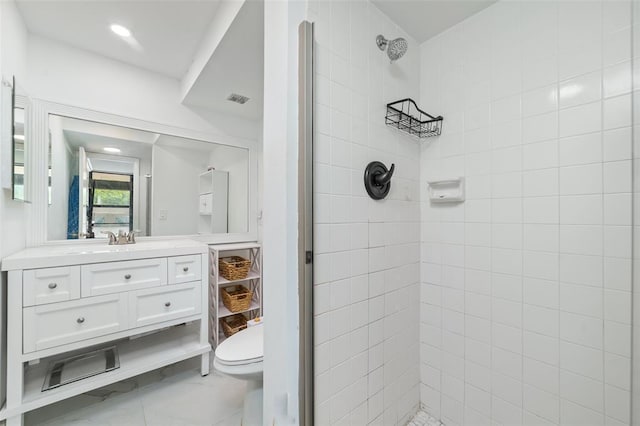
57, 324
114, 277
50, 285
206, 203
183, 269
163, 304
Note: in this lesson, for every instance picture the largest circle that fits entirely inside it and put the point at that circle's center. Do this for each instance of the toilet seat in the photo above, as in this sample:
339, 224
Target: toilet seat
244, 347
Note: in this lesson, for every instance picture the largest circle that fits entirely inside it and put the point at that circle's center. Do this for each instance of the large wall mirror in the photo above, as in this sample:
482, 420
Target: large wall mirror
137, 125
106, 178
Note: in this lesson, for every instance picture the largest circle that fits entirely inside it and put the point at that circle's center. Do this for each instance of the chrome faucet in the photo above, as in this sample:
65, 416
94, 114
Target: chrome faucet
131, 236
111, 236
121, 238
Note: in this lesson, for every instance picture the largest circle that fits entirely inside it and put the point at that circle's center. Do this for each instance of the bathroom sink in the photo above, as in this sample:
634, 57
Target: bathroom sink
104, 248
74, 254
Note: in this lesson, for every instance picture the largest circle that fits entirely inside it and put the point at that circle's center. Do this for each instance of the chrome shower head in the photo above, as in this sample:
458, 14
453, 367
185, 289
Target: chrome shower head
395, 48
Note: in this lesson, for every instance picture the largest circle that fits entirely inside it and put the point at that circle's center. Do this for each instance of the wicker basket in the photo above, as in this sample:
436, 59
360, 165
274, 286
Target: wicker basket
231, 325
234, 267
236, 298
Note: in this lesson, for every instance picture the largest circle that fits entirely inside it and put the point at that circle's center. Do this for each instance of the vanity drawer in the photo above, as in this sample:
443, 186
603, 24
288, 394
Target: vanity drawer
57, 324
164, 304
50, 285
183, 269
115, 277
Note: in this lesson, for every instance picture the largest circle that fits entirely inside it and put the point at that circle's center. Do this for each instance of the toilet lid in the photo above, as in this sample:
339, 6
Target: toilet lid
243, 347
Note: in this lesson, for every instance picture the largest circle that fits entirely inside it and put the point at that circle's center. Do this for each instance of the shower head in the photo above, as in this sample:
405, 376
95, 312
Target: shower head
395, 48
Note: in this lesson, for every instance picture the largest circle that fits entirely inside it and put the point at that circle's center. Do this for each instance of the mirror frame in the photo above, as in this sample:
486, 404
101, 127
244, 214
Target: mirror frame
38, 125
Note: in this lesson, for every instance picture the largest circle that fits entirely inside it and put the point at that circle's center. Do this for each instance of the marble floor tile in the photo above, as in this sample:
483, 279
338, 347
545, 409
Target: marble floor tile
174, 395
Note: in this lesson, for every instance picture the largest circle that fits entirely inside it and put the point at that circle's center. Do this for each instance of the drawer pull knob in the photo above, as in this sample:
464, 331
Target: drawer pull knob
80, 320
127, 277
52, 285
167, 304
185, 269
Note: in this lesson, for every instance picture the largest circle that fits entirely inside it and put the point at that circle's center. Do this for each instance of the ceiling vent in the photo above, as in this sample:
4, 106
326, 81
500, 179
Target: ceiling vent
239, 99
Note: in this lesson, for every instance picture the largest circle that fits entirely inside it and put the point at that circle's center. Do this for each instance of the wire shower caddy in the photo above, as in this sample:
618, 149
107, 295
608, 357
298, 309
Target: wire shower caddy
406, 116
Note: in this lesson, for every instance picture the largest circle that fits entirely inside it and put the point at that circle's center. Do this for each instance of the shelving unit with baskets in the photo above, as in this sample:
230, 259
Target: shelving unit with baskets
243, 295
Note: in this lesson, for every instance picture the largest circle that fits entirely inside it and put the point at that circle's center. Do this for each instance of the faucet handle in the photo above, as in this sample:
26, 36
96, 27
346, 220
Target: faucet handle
112, 237
131, 236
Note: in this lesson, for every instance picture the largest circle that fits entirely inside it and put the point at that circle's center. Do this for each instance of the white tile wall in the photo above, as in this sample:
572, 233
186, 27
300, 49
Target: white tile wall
529, 279
617, 143
367, 262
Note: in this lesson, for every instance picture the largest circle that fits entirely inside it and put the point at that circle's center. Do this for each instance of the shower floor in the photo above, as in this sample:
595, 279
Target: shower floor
423, 419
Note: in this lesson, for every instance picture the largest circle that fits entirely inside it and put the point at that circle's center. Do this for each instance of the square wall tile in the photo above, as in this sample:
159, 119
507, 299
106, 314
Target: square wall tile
580, 90
585, 118
582, 149
585, 179
581, 390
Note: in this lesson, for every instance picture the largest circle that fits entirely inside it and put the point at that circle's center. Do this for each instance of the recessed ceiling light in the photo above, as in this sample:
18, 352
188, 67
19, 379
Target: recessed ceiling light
120, 30
110, 149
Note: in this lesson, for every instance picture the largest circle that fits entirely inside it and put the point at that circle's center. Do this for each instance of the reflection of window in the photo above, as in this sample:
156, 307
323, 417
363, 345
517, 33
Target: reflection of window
110, 202
18, 181
112, 197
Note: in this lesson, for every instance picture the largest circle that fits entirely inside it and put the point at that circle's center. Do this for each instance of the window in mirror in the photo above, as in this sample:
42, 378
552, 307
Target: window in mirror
111, 178
110, 203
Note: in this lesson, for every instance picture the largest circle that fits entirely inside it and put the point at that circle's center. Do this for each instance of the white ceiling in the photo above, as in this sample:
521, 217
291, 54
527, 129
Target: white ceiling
423, 19
166, 33
93, 137
236, 66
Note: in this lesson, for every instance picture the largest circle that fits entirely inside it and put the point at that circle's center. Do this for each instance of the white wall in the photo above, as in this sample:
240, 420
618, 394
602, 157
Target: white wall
13, 39
175, 189
280, 259
526, 303
367, 252
635, 391
236, 162
58, 73
12, 224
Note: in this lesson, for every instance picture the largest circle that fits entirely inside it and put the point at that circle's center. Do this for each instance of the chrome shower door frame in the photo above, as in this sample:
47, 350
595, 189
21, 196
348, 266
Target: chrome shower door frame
305, 220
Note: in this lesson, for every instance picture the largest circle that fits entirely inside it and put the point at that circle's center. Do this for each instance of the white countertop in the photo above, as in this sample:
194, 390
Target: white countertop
65, 254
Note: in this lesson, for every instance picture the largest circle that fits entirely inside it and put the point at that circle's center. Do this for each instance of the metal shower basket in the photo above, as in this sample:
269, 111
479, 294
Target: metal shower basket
406, 116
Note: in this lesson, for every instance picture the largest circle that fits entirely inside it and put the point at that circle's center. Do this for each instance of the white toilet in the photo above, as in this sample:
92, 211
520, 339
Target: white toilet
240, 356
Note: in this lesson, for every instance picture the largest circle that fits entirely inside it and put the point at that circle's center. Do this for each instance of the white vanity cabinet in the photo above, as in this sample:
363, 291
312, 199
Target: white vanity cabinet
149, 300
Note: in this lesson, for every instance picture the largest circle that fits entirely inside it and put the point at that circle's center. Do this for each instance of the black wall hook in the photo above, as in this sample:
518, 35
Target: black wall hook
377, 179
